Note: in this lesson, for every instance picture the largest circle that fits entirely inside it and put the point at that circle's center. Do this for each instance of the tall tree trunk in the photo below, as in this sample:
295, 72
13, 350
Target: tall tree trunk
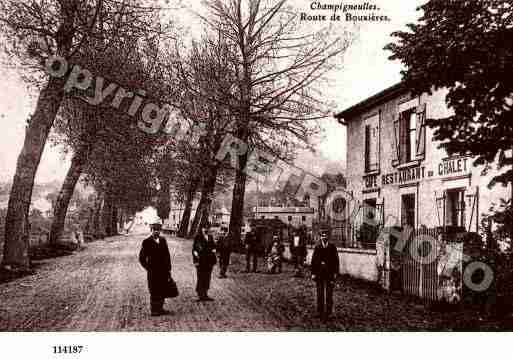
65, 194
164, 200
186, 216
90, 219
509, 219
107, 213
16, 231
237, 212
201, 215
121, 220
98, 205
114, 221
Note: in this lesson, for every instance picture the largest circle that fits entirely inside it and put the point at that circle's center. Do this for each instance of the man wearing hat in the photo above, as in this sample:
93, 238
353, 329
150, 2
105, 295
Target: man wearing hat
325, 267
252, 244
154, 257
204, 258
223, 251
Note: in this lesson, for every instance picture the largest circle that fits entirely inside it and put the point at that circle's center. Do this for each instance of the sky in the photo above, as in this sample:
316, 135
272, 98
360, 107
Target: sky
365, 71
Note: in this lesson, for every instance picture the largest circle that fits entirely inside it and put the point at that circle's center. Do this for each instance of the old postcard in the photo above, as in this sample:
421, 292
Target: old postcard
254, 166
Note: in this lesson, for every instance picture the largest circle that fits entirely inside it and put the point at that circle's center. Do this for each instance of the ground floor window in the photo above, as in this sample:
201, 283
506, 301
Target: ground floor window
455, 208
369, 228
408, 210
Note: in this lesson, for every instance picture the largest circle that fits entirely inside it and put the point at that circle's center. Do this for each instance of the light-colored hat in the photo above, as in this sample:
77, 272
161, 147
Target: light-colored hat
156, 220
156, 223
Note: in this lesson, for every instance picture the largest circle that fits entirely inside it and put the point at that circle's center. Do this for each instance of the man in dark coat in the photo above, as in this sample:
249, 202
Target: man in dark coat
252, 242
223, 251
299, 251
154, 257
325, 267
204, 258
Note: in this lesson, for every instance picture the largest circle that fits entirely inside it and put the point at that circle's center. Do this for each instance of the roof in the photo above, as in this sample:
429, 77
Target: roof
370, 102
283, 210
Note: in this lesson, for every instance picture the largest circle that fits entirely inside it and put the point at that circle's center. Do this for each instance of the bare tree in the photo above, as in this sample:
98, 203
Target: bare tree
280, 70
57, 28
205, 72
81, 126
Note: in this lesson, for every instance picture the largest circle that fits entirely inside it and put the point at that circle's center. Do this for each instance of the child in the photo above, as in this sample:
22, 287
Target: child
275, 257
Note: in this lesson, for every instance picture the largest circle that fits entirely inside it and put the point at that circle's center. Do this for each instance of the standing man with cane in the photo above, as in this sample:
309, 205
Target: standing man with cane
154, 257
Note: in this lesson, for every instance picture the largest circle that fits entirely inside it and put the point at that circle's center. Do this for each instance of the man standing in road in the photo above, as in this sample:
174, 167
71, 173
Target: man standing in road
299, 251
204, 258
252, 242
154, 257
223, 251
325, 267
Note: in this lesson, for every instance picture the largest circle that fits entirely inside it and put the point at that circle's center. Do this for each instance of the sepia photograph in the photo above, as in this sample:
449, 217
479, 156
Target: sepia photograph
255, 166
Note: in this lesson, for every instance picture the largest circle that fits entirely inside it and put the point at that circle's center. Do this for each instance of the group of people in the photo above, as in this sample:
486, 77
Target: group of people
206, 253
275, 252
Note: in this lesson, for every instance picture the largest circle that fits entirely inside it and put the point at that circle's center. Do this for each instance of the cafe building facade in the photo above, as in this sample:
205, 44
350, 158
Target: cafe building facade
398, 176
395, 167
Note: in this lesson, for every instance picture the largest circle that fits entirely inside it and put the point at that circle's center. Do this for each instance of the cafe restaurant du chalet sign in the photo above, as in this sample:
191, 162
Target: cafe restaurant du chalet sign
446, 168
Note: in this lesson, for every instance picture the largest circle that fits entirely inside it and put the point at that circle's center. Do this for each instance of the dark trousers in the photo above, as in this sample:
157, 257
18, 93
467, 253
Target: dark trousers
224, 261
156, 282
203, 281
299, 261
251, 256
324, 296
156, 304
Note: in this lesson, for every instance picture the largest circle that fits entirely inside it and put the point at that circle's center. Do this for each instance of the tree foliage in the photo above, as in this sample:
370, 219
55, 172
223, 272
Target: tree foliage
466, 47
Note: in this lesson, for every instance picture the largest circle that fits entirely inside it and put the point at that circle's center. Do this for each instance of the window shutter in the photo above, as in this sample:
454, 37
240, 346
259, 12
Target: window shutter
395, 150
440, 209
421, 131
472, 214
367, 147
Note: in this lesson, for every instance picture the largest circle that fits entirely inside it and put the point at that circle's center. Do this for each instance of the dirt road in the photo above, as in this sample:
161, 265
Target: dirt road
103, 288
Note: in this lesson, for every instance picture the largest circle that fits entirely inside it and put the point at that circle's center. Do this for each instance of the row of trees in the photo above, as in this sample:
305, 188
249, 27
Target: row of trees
255, 74
112, 39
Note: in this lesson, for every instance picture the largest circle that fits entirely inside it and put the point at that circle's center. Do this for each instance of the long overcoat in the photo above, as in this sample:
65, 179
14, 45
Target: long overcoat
155, 258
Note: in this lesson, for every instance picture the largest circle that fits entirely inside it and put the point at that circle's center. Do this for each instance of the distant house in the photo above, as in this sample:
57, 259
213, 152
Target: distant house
220, 216
176, 213
294, 216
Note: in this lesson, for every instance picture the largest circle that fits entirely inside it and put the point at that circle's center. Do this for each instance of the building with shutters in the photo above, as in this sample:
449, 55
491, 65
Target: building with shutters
397, 174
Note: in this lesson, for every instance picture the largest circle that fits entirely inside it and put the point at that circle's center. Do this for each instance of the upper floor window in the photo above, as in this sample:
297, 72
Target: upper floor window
410, 135
409, 138
372, 143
